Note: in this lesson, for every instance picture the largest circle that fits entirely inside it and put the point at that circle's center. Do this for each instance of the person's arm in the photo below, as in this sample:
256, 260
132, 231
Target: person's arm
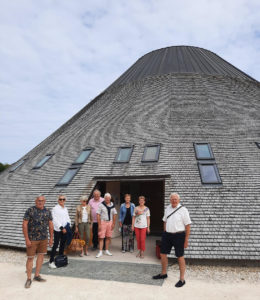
55, 218
148, 224
133, 221
164, 226
25, 233
187, 234
114, 222
121, 216
51, 233
99, 222
76, 221
90, 216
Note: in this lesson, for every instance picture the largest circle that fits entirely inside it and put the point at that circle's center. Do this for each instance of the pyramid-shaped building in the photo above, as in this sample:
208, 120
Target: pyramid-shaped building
181, 119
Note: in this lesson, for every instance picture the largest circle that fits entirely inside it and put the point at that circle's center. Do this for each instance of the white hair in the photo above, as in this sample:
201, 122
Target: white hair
83, 198
63, 195
107, 195
175, 194
96, 190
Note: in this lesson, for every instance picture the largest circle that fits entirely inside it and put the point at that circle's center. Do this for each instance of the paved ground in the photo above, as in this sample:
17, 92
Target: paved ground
203, 282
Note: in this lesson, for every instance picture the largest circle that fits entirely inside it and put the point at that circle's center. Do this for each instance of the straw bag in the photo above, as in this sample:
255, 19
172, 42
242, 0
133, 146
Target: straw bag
76, 244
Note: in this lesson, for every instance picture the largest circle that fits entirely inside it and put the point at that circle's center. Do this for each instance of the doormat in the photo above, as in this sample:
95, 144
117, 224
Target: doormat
106, 270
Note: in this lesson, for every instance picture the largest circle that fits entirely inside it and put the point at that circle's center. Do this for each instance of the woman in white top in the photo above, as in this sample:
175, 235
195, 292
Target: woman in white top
83, 222
141, 225
61, 219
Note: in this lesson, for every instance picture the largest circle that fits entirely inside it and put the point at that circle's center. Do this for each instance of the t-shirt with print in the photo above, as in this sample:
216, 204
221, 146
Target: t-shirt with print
141, 220
38, 222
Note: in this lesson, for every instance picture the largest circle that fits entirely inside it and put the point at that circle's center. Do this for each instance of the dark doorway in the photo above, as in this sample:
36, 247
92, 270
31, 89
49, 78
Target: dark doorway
154, 194
153, 190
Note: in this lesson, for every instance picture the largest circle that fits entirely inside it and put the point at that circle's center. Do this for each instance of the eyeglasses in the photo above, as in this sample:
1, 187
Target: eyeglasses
62, 199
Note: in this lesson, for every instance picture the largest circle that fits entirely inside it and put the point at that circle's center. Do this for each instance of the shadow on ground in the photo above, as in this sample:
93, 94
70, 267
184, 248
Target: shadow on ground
105, 270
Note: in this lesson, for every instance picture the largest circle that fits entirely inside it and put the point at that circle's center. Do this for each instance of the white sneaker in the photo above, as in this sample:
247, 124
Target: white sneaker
99, 254
52, 265
108, 253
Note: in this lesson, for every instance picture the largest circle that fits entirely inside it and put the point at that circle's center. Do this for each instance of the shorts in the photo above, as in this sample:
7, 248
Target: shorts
105, 229
39, 247
175, 240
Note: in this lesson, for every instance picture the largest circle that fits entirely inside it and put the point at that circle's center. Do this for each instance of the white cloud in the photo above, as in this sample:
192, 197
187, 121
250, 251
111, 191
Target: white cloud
55, 56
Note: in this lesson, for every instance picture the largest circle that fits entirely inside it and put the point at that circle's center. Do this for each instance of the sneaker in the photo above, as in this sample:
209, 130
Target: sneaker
28, 283
99, 254
87, 254
160, 276
81, 255
52, 265
108, 253
123, 251
39, 279
180, 283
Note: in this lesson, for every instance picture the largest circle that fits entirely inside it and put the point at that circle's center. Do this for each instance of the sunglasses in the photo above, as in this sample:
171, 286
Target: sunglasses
62, 199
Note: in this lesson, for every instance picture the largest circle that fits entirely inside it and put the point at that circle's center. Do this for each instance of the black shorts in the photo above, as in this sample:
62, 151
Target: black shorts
170, 240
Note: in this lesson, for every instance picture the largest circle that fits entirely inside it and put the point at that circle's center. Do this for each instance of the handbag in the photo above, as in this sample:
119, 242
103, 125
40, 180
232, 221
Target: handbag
76, 244
61, 261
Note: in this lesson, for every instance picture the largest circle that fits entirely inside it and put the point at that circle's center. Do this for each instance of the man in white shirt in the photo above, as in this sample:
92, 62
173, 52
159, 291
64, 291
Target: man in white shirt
176, 234
106, 217
61, 218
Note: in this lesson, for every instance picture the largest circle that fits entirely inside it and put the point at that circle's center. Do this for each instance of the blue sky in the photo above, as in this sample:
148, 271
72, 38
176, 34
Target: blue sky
55, 56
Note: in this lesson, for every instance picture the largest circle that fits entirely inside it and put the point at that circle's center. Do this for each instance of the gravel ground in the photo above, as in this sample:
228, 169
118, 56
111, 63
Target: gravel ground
220, 274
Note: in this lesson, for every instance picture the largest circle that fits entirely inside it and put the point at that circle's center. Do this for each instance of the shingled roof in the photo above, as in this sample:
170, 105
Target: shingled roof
175, 96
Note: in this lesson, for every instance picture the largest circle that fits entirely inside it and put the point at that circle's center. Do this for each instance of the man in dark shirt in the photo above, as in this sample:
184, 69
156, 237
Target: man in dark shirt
36, 221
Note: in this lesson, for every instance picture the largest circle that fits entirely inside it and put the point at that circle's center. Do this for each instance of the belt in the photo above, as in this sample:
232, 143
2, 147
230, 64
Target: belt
175, 232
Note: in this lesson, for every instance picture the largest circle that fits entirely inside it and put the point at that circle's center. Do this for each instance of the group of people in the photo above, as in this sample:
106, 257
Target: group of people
99, 215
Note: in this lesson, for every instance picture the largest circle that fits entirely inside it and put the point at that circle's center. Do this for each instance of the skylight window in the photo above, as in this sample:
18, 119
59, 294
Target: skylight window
124, 154
203, 151
16, 166
209, 173
68, 176
43, 161
84, 155
151, 153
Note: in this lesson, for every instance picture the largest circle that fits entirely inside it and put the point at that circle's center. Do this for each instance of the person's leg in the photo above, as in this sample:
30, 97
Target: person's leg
182, 267
164, 262
30, 251
108, 240
41, 250
39, 262
131, 238
63, 238
55, 245
95, 235
137, 233
142, 241
87, 232
29, 266
166, 246
124, 240
81, 234
101, 243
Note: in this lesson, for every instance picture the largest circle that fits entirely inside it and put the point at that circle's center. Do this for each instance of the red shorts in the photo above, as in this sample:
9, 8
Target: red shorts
105, 229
